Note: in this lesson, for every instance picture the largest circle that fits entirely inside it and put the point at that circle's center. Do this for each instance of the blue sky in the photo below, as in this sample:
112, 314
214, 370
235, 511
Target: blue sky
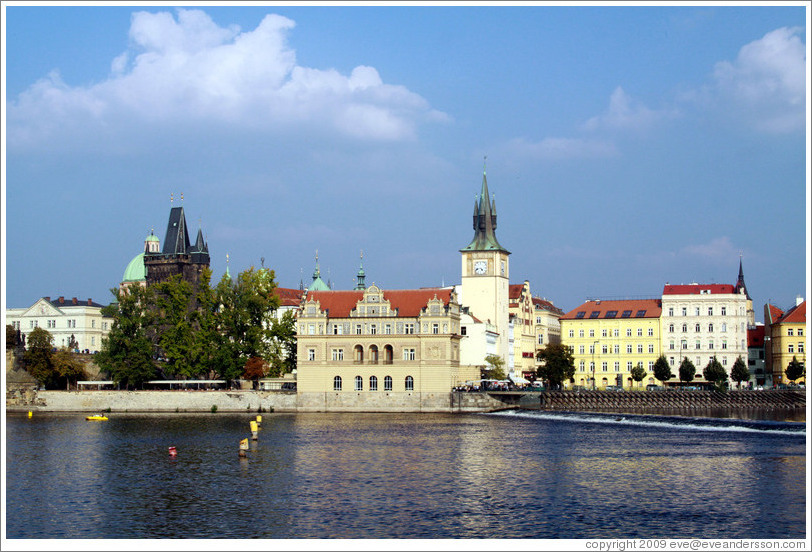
627, 147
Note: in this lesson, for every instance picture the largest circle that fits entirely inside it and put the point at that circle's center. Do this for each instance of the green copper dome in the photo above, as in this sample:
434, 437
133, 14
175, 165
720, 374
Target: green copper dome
136, 271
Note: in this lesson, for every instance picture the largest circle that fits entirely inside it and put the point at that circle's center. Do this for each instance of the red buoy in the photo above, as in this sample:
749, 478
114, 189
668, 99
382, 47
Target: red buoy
172, 451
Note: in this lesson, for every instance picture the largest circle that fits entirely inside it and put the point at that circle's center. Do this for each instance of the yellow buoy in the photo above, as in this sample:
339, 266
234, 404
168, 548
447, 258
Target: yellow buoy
259, 420
253, 430
30, 414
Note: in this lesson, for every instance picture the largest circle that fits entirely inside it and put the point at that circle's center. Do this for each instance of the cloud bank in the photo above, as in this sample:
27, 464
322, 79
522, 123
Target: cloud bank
185, 69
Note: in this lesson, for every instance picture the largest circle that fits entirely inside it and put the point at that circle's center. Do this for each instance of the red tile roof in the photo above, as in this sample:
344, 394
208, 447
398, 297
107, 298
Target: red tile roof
652, 307
407, 302
515, 291
696, 289
795, 315
544, 304
289, 297
775, 314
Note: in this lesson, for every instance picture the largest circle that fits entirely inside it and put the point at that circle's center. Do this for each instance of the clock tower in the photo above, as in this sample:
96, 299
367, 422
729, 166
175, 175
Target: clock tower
486, 271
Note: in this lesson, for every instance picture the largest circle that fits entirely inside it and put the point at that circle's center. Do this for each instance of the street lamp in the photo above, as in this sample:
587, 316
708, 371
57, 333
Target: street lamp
594, 346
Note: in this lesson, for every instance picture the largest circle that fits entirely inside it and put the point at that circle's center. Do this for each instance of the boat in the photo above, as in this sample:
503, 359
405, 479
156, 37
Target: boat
96, 418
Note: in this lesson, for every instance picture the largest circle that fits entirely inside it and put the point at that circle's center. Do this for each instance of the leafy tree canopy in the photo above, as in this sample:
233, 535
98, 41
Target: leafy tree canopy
687, 370
495, 369
38, 359
662, 371
795, 369
739, 372
638, 373
714, 372
557, 364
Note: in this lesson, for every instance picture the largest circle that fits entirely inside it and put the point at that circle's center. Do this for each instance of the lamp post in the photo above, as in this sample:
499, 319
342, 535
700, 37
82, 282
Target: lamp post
594, 346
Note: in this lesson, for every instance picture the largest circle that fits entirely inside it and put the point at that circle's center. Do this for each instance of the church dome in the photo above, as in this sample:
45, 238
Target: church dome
136, 271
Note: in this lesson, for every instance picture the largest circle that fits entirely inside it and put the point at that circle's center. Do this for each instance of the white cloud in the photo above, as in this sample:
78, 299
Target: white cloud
717, 248
188, 70
624, 113
561, 148
766, 83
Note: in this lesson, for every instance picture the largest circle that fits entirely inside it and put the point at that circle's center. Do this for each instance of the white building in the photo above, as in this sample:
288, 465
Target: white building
64, 319
702, 321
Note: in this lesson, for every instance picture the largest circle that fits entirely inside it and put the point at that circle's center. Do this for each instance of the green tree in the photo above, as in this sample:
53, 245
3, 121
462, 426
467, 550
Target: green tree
715, 373
739, 372
283, 332
556, 364
175, 326
495, 369
11, 337
687, 370
638, 373
215, 353
795, 369
127, 351
662, 371
68, 368
38, 361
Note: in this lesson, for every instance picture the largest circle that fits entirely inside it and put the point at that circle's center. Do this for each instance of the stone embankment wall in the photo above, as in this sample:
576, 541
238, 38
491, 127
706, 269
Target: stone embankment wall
660, 401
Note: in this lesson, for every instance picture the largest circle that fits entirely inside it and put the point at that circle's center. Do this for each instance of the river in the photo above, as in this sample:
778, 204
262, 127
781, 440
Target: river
530, 475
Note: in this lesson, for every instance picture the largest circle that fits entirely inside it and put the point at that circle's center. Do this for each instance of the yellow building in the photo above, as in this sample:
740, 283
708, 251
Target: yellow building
787, 340
609, 338
376, 350
522, 360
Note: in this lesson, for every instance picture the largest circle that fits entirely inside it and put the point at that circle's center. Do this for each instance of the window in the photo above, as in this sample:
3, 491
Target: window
651, 365
698, 345
724, 311
789, 331
640, 314
684, 311
697, 328
581, 364
580, 314
338, 329
408, 354
629, 348
617, 349
671, 361
605, 349
617, 366
311, 329
409, 383
373, 354
800, 332
670, 311
338, 354
387, 383
651, 332
710, 345
581, 349
359, 354
580, 333
605, 333
684, 328
671, 328
616, 332
724, 344
311, 355
696, 311
629, 332
408, 328
373, 383
611, 314
591, 349
337, 383
572, 333
639, 332
359, 383
605, 366
710, 311
670, 345
790, 348
538, 320
358, 329
651, 347
626, 314
373, 329
594, 314
387, 329
640, 348
710, 327
92, 323
592, 366
800, 347
541, 339
724, 361
435, 328
591, 333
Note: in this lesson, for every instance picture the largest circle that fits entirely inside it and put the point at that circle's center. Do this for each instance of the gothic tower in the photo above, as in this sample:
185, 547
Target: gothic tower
179, 256
486, 270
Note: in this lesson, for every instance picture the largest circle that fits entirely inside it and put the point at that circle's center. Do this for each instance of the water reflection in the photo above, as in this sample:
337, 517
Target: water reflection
396, 476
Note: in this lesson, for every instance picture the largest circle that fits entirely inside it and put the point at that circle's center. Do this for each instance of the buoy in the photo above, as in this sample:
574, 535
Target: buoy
30, 414
243, 447
259, 421
253, 430
172, 451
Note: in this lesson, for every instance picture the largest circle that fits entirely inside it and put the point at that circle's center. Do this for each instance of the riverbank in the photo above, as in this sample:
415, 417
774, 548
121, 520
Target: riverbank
24, 398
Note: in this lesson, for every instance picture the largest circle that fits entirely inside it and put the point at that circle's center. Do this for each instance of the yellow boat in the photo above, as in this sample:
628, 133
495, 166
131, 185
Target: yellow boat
97, 417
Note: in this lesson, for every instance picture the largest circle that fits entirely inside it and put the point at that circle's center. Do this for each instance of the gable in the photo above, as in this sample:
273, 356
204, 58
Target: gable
42, 307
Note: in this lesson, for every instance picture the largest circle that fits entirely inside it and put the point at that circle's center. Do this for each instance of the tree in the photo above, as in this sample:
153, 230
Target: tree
37, 357
255, 368
495, 369
126, 353
687, 370
11, 337
557, 364
795, 370
638, 373
662, 371
283, 332
68, 368
174, 328
739, 372
715, 373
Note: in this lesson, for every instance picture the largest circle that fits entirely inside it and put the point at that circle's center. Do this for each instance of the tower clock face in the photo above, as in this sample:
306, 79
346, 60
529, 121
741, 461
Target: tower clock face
481, 267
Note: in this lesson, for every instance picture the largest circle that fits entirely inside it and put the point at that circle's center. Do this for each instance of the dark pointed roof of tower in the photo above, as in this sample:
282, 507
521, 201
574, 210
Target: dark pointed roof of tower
484, 222
740, 282
177, 236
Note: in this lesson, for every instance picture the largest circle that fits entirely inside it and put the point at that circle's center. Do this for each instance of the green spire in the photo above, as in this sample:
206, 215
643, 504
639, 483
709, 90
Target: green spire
484, 222
361, 285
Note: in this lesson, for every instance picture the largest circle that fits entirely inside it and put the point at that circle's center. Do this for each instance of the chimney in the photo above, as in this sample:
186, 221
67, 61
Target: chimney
798, 300
48, 298
75, 301
61, 300
89, 302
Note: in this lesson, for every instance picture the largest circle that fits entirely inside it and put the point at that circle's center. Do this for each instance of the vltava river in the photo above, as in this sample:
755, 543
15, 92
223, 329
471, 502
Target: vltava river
532, 475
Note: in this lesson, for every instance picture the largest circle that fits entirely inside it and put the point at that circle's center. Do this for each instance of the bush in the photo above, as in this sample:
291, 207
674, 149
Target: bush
213, 408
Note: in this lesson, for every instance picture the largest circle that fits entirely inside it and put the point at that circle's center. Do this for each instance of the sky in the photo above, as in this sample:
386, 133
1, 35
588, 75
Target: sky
626, 147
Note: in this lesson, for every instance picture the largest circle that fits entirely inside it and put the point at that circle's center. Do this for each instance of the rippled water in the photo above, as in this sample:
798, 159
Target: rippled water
509, 475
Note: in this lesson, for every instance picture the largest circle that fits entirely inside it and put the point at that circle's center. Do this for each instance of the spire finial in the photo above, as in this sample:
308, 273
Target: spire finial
485, 165
181, 197
262, 260
172, 198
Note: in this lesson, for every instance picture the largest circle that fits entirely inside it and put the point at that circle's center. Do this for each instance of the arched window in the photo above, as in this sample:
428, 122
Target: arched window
359, 354
373, 383
373, 354
388, 354
359, 383
387, 383
409, 383
337, 383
